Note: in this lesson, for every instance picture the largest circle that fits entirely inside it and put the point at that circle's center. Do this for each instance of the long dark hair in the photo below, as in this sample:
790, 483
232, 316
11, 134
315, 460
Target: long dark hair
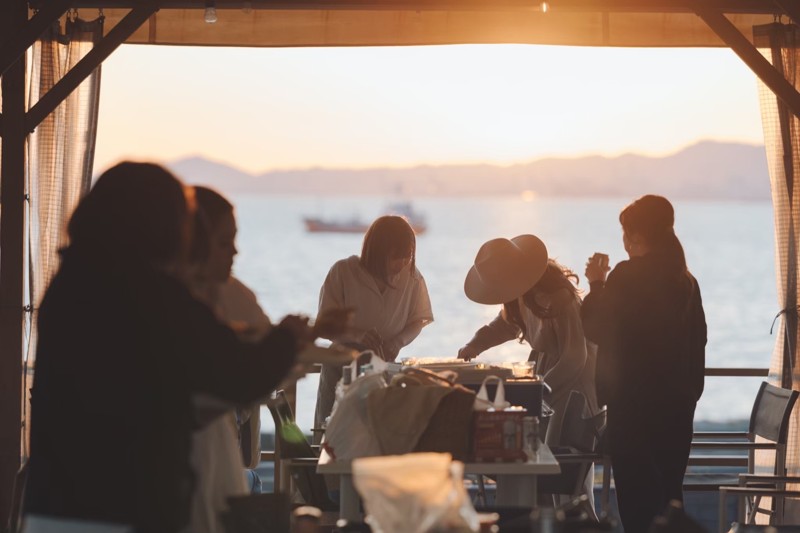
387, 236
556, 277
652, 218
135, 213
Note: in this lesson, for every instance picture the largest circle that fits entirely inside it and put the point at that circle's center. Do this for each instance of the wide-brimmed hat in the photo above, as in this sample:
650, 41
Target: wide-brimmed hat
505, 269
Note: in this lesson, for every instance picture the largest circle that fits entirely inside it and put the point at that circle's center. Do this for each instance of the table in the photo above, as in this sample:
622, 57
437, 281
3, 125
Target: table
516, 482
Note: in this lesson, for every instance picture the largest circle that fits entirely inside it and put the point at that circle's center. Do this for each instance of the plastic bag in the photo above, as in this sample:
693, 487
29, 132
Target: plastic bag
414, 493
348, 434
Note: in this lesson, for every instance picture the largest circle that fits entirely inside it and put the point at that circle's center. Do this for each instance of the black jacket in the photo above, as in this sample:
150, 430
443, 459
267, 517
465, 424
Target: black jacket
122, 349
650, 328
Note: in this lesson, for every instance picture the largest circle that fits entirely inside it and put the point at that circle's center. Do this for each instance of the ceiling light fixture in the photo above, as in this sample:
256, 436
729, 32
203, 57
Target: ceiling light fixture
210, 15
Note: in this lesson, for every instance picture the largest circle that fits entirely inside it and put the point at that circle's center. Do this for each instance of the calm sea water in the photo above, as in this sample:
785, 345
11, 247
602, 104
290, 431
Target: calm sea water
729, 248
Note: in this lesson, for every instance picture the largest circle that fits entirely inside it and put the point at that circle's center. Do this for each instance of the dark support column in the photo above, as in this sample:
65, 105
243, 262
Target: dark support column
22, 39
751, 56
13, 14
90, 61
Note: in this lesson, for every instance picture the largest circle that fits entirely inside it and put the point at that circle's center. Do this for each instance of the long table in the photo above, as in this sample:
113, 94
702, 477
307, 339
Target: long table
516, 482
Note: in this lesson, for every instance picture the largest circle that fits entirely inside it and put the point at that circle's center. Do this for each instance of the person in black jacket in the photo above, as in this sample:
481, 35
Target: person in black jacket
648, 321
122, 349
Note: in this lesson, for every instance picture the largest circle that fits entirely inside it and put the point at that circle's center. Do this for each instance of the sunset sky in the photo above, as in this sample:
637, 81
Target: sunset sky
265, 109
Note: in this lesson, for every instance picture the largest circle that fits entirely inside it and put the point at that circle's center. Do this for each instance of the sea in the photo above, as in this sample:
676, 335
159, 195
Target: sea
729, 248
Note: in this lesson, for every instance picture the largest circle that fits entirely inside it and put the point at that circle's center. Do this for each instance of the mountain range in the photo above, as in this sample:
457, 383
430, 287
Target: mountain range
706, 170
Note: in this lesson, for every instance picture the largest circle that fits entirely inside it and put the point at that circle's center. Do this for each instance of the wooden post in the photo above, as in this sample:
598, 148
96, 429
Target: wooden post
13, 14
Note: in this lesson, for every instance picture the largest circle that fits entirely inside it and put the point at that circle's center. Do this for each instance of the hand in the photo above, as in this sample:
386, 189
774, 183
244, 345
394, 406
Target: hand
298, 326
391, 348
468, 353
596, 269
372, 340
331, 323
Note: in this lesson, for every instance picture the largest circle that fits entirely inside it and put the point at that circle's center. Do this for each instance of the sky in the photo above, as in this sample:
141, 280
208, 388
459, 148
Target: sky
293, 108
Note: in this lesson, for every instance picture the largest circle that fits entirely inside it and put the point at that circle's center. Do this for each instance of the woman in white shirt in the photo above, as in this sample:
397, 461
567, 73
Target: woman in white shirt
387, 293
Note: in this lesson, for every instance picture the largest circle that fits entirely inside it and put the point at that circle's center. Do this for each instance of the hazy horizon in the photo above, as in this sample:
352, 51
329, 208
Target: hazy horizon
398, 107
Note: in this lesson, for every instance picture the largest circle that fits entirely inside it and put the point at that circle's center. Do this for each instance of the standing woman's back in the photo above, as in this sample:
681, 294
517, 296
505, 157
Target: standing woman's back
648, 321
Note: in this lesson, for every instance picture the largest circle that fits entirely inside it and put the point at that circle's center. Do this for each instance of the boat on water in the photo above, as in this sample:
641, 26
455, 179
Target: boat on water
357, 225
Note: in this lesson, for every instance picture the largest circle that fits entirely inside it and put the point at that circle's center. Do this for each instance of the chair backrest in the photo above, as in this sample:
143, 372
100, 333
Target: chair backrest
771, 412
293, 443
581, 429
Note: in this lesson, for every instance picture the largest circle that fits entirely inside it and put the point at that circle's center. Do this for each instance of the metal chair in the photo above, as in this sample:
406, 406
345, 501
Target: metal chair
768, 430
296, 456
579, 447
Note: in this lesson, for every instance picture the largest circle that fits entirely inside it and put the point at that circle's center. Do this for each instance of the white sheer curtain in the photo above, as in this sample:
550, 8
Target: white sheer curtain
779, 44
59, 162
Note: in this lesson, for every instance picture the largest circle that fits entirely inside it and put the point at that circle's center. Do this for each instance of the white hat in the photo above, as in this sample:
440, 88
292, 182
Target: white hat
505, 269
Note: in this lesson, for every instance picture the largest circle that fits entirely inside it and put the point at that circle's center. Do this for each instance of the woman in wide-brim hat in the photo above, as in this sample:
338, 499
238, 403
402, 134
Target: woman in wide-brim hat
540, 306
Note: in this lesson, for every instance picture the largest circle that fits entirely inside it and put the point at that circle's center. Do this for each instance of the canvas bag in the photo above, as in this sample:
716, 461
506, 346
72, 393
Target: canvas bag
422, 411
482, 401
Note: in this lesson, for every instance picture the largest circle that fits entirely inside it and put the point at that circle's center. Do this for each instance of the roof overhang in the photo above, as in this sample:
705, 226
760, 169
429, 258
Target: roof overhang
277, 23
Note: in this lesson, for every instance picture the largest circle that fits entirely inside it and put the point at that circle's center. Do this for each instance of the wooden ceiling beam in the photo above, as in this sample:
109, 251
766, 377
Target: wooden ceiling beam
118, 34
609, 6
19, 41
753, 58
792, 9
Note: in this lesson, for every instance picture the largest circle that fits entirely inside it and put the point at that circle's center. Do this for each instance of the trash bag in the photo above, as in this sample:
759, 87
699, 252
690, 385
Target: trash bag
414, 493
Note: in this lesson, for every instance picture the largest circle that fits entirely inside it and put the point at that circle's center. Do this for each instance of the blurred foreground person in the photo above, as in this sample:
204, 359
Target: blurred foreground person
387, 293
123, 347
648, 321
231, 441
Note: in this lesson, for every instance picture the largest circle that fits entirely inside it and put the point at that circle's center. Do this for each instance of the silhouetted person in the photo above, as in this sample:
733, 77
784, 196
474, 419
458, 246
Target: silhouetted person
648, 321
123, 347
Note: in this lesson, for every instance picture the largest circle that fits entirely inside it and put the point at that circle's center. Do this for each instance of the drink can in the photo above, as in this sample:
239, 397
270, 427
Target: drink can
530, 432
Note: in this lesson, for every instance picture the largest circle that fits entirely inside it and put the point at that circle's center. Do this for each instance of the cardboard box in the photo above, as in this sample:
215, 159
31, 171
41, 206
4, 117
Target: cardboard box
497, 436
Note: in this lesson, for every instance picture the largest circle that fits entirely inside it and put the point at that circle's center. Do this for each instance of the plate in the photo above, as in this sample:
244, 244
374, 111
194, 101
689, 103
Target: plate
332, 355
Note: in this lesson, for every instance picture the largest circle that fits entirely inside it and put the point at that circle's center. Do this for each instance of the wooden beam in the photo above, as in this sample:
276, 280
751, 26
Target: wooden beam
23, 38
62, 89
753, 58
620, 6
13, 14
792, 9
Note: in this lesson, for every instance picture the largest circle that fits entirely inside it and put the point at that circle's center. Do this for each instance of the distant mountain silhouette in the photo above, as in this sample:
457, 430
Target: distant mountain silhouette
707, 170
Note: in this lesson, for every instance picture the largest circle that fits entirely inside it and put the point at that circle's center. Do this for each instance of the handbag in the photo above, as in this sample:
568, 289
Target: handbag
421, 411
482, 401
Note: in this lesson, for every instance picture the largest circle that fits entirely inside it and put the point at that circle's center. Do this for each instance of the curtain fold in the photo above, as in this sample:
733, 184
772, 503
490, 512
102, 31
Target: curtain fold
779, 44
59, 164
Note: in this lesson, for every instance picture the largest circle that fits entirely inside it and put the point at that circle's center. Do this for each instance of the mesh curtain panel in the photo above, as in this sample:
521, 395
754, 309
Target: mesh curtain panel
779, 44
60, 159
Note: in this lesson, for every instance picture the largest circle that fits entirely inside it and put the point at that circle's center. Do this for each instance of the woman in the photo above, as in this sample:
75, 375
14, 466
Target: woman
387, 293
123, 347
216, 455
648, 321
541, 306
